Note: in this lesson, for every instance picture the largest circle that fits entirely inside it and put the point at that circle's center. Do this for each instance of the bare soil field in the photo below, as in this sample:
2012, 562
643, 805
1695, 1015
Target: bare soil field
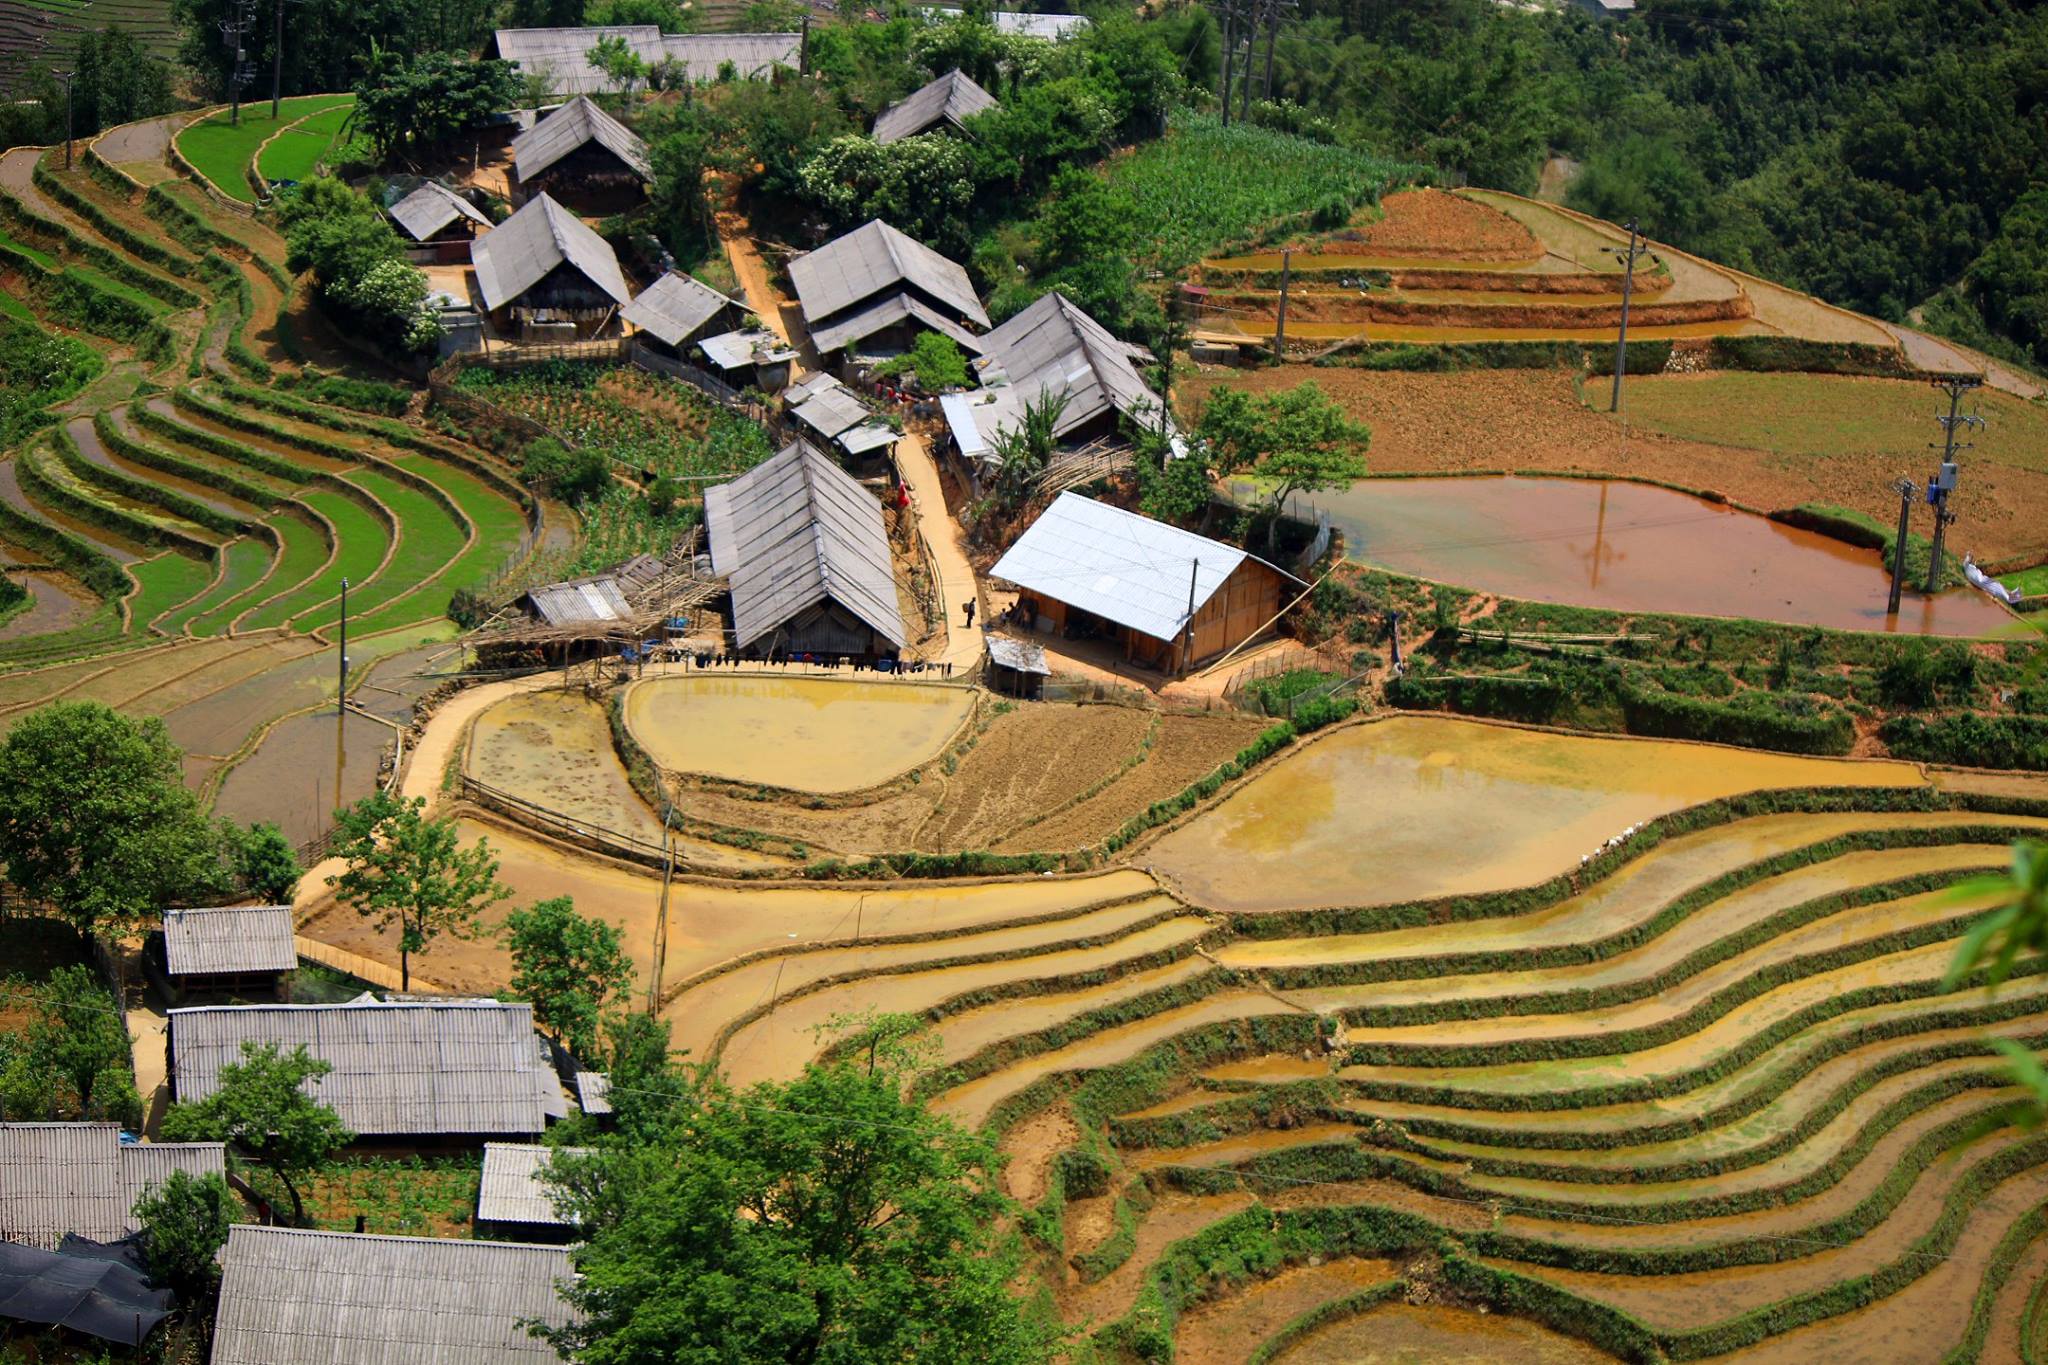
1417, 1334
1218, 1332
1536, 420
1435, 224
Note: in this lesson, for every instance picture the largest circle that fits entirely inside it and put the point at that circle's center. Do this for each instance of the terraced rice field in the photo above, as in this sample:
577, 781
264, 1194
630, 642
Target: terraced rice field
223, 151
802, 734
1499, 1106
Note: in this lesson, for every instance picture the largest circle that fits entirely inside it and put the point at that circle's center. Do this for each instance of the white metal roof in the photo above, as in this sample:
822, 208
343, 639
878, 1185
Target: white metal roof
512, 1190
59, 1178
858, 265
748, 346
793, 531
563, 54
430, 208
459, 1067
1118, 565
582, 599
1048, 26
593, 1092
532, 242
952, 98
290, 1296
675, 306
574, 125
229, 939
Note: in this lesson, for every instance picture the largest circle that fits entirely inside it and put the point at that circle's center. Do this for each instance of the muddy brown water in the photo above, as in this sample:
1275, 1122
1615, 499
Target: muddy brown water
1417, 806
57, 601
1219, 1331
798, 733
1434, 1334
1632, 547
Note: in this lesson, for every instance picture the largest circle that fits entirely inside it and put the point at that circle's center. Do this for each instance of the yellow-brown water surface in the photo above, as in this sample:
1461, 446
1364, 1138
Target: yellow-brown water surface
804, 734
1418, 806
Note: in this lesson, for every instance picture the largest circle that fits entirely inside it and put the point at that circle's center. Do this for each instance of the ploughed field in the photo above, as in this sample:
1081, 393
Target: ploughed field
1368, 1065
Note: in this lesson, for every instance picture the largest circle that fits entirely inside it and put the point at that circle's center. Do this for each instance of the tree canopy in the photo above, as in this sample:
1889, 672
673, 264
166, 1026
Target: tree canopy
410, 103
185, 1223
573, 968
827, 1219
408, 869
262, 1106
1294, 441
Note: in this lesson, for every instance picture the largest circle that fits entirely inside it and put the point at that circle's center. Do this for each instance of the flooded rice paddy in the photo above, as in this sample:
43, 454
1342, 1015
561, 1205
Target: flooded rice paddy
804, 734
1633, 547
1415, 807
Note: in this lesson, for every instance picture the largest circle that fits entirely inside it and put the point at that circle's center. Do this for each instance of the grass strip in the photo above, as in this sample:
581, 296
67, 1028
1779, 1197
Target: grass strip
244, 562
165, 581
428, 539
304, 549
361, 542
121, 484
213, 443
206, 475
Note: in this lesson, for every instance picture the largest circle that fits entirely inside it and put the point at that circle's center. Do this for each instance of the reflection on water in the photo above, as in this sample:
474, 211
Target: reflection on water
1632, 547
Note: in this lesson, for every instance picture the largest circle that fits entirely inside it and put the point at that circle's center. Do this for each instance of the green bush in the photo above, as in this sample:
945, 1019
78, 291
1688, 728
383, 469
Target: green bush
1758, 720
935, 359
364, 395
1917, 676
1970, 740
1799, 353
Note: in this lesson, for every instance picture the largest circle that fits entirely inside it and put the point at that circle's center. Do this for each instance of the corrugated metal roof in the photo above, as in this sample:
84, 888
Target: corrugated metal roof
289, 1296
675, 306
430, 208
748, 346
594, 1092
795, 530
861, 323
1118, 565
1048, 26
574, 125
525, 247
580, 600
512, 1190
455, 1067
837, 413
855, 267
229, 939
59, 1178
1017, 655
1054, 347
564, 53
952, 98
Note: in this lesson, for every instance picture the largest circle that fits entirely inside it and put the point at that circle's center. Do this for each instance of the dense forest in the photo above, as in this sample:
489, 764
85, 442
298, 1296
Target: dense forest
1891, 155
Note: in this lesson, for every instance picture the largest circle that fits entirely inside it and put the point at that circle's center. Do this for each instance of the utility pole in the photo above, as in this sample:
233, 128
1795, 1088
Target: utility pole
1944, 482
234, 31
66, 77
341, 699
1272, 37
668, 872
1905, 488
1187, 633
1229, 50
1280, 321
1636, 250
1260, 12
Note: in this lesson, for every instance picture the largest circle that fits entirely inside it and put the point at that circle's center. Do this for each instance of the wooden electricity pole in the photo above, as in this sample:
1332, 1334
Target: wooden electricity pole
1905, 488
1636, 250
1229, 43
1280, 316
1955, 385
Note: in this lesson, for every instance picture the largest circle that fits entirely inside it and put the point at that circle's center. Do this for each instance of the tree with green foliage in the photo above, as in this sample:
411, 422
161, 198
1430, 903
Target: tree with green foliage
1171, 489
1023, 448
184, 1224
262, 1105
78, 1038
1294, 441
573, 968
679, 153
666, 15
95, 817
115, 80
325, 41
825, 1219
575, 476
2009, 282
924, 185
621, 63
412, 104
358, 262
266, 864
408, 869
936, 360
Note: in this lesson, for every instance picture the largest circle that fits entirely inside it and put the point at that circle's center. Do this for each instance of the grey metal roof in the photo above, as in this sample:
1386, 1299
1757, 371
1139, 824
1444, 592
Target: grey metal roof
59, 1178
430, 208
855, 326
579, 600
1118, 565
290, 1296
1054, 347
512, 1190
1017, 655
837, 413
414, 1067
952, 98
793, 531
229, 939
594, 1092
576, 124
855, 267
675, 306
525, 247
748, 346
564, 53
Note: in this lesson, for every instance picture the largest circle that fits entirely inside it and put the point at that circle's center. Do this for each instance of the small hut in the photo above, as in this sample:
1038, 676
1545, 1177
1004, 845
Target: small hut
545, 276
872, 290
1016, 667
750, 356
513, 1200
837, 414
677, 309
945, 105
580, 152
234, 952
440, 221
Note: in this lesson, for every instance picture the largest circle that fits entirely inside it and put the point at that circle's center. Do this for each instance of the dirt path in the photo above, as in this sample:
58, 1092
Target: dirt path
146, 141
17, 177
444, 731
956, 585
1932, 353
777, 311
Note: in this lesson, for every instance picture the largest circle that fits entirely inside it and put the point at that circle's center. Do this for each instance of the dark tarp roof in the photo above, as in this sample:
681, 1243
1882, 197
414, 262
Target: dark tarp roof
87, 1287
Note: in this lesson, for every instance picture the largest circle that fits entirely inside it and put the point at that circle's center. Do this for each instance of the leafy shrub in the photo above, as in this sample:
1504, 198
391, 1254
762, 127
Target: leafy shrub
936, 360
1917, 676
576, 476
1760, 720
1970, 739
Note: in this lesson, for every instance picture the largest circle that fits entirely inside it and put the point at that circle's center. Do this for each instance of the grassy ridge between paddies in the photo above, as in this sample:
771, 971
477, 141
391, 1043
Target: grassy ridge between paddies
163, 582
296, 150
428, 538
305, 552
221, 151
361, 541
500, 527
245, 562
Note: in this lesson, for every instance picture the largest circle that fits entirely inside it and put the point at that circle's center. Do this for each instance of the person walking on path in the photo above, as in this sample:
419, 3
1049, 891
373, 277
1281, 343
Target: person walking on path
968, 607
